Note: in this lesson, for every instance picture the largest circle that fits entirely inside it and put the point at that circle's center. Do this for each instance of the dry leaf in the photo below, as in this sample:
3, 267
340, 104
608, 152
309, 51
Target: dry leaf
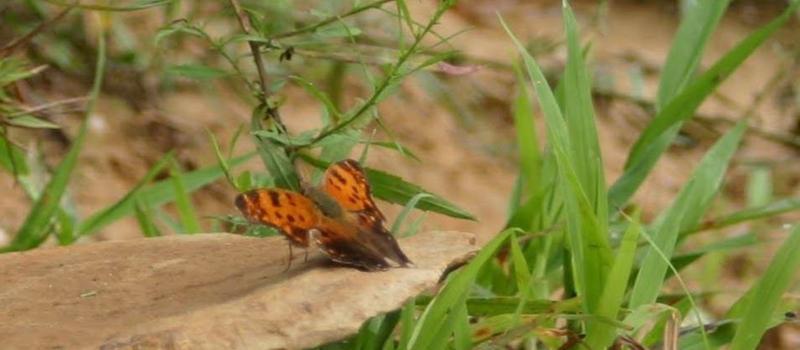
203, 291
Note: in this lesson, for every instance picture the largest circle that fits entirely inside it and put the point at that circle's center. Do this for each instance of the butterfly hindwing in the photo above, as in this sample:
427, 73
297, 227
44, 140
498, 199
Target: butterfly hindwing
292, 213
347, 244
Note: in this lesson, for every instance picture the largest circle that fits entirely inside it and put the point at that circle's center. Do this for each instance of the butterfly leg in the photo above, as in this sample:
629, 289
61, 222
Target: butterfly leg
309, 237
289, 265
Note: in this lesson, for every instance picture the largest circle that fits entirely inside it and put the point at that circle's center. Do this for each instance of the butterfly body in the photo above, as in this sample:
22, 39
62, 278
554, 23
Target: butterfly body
339, 216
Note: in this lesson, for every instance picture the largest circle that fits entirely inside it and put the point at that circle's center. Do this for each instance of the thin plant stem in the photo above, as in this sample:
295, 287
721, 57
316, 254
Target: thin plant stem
330, 20
271, 111
385, 83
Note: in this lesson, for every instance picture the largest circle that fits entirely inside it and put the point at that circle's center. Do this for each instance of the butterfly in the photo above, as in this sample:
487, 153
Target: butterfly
340, 216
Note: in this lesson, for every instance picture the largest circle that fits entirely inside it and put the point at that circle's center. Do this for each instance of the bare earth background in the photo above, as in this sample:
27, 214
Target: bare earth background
467, 159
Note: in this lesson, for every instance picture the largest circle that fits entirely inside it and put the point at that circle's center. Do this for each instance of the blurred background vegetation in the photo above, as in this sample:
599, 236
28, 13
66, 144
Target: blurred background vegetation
127, 118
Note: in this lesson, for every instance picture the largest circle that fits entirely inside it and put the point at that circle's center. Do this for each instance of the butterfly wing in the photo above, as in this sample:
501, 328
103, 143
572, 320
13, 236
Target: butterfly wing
346, 183
346, 244
291, 213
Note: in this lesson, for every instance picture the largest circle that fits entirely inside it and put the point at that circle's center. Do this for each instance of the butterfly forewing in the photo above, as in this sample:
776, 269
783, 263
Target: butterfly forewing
290, 212
346, 183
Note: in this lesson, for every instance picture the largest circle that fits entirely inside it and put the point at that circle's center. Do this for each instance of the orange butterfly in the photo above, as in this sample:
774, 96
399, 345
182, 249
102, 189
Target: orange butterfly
339, 215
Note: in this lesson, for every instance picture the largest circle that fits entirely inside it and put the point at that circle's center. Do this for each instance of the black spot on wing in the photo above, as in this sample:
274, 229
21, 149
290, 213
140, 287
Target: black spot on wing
274, 198
338, 176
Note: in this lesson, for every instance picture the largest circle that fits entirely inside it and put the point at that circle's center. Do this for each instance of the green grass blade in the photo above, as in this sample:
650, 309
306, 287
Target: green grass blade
374, 333
462, 332
433, 319
759, 186
775, 208
522, 272
680, 261
157, 194
687, 209
144, 217
508, 305
183, 201
407, 323
35, 227
700, 19
765, 295
65, 229
103, 217
658, 135
401, 218
580, 117
222, 161
601, 335
11, 158
588, 242
527, 139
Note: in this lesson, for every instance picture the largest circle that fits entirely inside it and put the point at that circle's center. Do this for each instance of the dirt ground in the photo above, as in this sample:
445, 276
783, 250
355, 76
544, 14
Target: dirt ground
468, 158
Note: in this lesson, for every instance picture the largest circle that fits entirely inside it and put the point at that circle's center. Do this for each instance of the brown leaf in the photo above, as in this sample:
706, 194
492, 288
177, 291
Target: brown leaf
203, 291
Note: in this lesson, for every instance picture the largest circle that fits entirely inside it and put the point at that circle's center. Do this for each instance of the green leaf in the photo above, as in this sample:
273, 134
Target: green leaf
13, 69
686, 211
29, 121
394, 189
763, 298
393, 145
180, 26
699, 20
274, 157
196, 71
658, 135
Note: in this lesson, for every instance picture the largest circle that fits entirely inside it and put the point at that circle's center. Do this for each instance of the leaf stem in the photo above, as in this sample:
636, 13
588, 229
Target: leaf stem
331, 19
271, 111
